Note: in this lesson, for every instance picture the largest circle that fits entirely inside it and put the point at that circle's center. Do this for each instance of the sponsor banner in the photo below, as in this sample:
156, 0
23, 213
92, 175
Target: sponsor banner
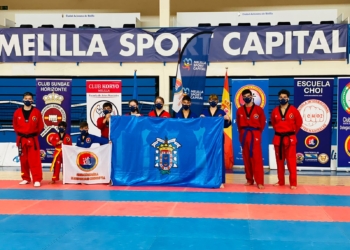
344, 122
53, 98
314, 99
260, 90
193, 67
172, 152
99, 92
86, 165
301, 157
236, 43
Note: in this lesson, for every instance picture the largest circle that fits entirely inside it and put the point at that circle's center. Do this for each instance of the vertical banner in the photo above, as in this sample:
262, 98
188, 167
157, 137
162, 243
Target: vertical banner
313, 97
343, 122
87, 165
99, 92
193, 69
53, 98
260, 91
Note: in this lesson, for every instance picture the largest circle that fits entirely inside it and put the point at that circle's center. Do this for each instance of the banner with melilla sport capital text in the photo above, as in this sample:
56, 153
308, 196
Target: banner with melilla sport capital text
260, 91
53, 99
99, 92
313, 97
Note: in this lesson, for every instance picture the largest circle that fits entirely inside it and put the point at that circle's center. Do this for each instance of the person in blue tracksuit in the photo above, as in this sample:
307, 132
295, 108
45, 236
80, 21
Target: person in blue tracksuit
85, 140
214, 111
185, 112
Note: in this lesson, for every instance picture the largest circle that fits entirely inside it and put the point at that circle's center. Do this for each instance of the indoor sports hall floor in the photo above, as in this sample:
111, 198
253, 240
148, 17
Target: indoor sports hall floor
315, 216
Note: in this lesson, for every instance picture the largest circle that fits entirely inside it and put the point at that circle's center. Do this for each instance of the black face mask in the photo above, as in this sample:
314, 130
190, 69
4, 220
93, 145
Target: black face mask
247, 99
283, 101
213, 104
83, 132
133, 109
61, 130
27, 103
159, 105
185, 107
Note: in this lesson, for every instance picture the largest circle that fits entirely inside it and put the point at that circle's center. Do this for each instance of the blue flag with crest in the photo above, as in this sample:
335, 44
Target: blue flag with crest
170, 152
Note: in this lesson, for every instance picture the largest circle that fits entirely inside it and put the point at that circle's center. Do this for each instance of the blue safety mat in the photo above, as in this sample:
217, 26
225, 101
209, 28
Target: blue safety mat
157, 196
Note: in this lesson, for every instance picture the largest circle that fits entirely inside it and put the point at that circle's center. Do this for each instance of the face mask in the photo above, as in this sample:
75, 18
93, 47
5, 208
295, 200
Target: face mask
27, 103
133, 109
283, 101
185, 107
83, 132
213, 104
61, 130
247, 99
159, 105
106, 112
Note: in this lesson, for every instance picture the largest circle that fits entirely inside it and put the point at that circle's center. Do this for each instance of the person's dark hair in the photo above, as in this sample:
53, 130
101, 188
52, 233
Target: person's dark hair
246, 91
137, 103
83, 124
284, 91
186, 98
107, 104
28, 93
62, 124
159, 97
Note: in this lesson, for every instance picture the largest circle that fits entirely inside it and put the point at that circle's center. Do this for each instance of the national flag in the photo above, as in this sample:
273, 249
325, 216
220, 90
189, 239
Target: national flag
226, 106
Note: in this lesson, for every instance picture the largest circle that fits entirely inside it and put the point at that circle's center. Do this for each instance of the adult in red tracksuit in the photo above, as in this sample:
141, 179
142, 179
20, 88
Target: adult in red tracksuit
57, 140
286, 121
158, 111
28, 124
103, 122
251, 122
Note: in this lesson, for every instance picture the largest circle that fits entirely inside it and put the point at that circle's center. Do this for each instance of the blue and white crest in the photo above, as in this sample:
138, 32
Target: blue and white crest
166, 156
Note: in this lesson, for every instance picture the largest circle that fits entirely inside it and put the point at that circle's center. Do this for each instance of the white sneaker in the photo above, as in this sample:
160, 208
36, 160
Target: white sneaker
36, 184
222, 185
23, 182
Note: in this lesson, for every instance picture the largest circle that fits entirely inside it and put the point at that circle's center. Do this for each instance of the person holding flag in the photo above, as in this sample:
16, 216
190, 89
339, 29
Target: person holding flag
251, 122
57, 140
159, 111
103, 122
213, 111
226, 106
185, 112
286, 121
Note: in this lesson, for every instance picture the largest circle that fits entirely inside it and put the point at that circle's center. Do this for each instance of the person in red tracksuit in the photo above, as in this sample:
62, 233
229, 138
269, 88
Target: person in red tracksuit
103, 122
28, 124
286, 121
158, 111
57, 140
251, 122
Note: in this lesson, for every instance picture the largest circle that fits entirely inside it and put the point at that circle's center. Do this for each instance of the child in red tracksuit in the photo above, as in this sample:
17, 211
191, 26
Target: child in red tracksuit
57, 140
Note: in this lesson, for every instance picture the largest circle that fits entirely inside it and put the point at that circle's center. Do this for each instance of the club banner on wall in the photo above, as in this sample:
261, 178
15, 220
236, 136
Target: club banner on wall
172, 152
343, 122
53, 99
260, 91
99, 92
236, 43
313, 97
86, 165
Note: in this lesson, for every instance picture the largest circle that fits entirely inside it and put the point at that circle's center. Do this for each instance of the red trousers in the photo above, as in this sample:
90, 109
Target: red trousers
254, 166
289, 155
31, 162
57, 167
